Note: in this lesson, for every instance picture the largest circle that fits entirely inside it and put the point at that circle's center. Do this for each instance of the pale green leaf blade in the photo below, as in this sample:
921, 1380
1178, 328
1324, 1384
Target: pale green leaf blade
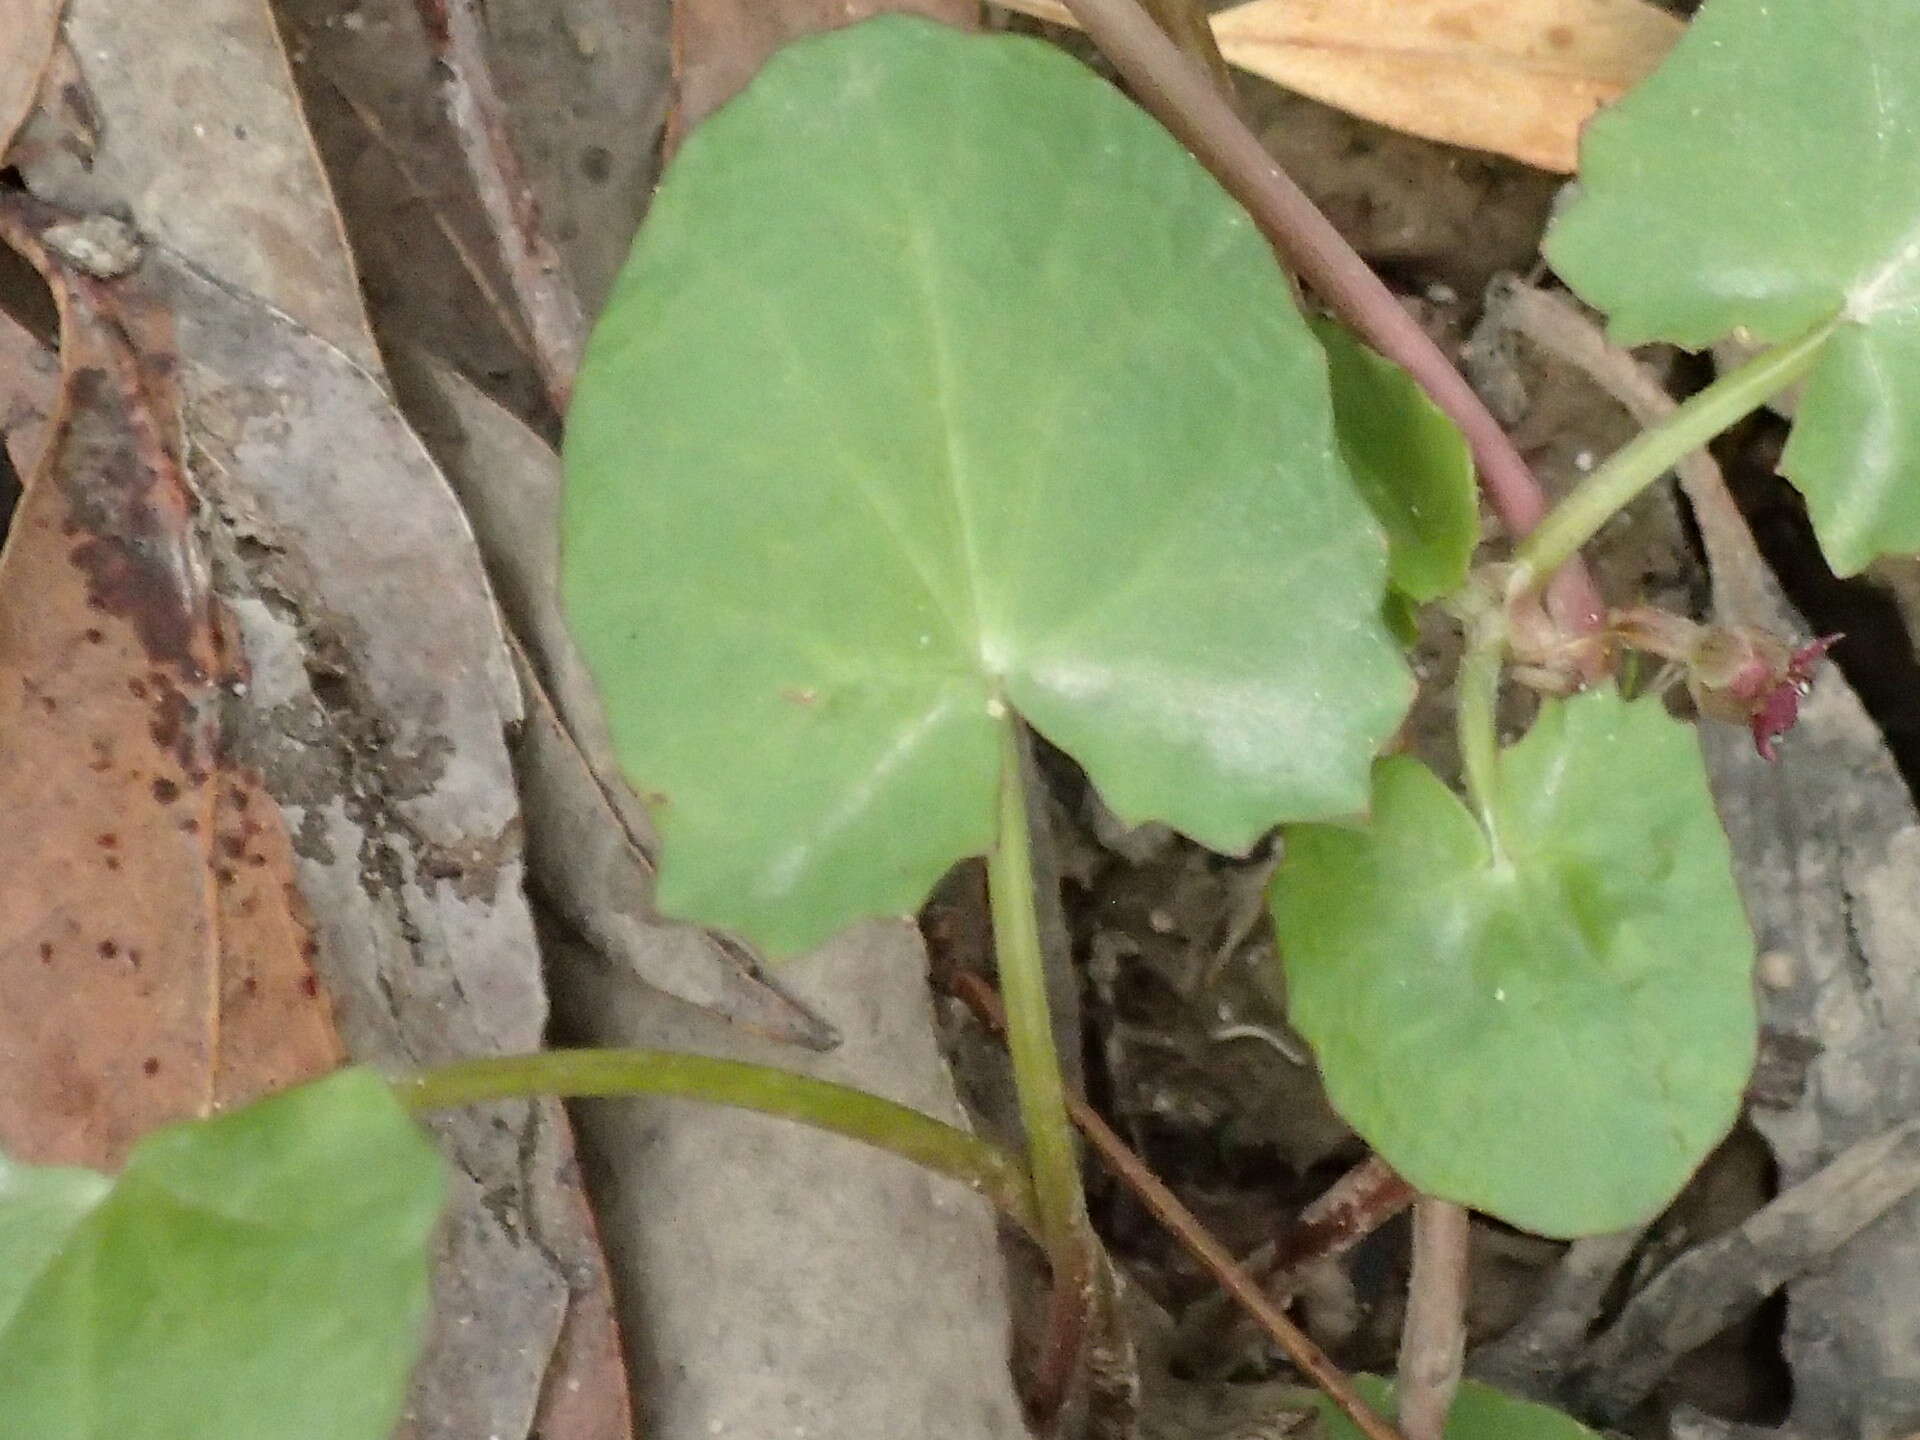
258, 1276
1410, 463
1559, 1038
39, 1207
940, 377
1763, 178
1479, 1412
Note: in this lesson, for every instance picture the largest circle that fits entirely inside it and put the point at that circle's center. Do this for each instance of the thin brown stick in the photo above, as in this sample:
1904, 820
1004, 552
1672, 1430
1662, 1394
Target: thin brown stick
1183, 97
1184, 1226
1349, 1210
538, 277
1352, 1208
1433, 1341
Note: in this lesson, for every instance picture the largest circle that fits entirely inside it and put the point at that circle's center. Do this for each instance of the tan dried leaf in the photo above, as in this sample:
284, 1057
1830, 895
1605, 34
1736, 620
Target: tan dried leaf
155, 953
1514, 77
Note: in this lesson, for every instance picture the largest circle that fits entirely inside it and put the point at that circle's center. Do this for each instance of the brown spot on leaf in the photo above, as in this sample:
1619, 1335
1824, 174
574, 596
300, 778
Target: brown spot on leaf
165, 791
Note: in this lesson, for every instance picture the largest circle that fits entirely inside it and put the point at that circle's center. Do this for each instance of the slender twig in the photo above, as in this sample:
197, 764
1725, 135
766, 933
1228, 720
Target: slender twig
937, 1146
541, 288
1184, 1226
1334, 1221
1433, 1341
1532, 1356
1182, 96
1349, 1210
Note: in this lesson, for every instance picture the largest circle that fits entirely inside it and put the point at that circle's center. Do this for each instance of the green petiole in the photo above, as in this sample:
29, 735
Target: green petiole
1611, 488
840, 1109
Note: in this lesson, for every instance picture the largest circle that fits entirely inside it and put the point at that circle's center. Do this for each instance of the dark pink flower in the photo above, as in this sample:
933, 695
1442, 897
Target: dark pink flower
1777, 709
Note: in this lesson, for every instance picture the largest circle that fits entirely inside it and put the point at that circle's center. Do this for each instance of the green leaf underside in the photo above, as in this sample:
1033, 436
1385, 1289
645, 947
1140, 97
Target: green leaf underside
1409, 462
1764, 178
938, 374
258, 1276
1559, 1039
1479, 1413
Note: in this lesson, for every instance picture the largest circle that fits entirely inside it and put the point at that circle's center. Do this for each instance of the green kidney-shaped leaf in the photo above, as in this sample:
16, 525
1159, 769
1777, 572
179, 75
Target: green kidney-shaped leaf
1410, 463
942, 380
258, 1276
1764, 177
1479, 1413
1556, 1034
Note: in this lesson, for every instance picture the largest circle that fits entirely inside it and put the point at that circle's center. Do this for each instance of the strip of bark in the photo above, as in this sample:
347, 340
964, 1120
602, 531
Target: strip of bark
542, 290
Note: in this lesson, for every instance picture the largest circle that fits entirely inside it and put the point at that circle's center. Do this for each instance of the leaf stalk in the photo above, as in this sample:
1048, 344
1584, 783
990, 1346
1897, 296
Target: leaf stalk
1051, 1152
1476, 702
838, 1109
1649, 455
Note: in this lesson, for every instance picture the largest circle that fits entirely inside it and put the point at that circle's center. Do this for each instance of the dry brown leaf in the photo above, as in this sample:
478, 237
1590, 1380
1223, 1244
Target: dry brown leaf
154, 951
1514, 77
28, 28
380, 688
29, 393
201, 141
719, 44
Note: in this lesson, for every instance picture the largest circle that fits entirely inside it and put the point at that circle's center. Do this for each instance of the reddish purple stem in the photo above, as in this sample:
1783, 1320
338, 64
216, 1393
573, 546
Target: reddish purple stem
1184, 99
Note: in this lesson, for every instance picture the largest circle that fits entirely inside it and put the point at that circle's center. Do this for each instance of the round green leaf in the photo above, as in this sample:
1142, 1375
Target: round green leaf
259, 1276
1764, 178
942, 381
1410, 463
1479, 1413
1556, 1034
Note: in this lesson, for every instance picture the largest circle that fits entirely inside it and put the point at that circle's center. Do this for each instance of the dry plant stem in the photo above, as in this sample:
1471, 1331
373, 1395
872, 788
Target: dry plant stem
1180, 1222
1433, 1342
541, 287
1182, 96
1349, 1210
1532, 1356
1352, 1208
